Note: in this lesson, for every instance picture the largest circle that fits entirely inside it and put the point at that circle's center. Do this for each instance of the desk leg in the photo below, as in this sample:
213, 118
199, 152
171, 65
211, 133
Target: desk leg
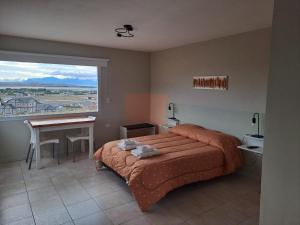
91, 142
37, 148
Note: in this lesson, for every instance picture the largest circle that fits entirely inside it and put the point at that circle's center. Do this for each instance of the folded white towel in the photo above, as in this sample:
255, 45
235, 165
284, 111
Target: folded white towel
127, 147
142, 155
127, 144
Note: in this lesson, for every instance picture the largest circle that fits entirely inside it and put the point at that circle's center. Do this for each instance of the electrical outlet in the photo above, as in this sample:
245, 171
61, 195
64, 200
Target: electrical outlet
107, 100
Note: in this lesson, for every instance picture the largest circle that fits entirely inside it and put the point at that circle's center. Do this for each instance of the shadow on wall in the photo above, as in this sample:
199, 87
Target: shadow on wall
136, 108
158, 108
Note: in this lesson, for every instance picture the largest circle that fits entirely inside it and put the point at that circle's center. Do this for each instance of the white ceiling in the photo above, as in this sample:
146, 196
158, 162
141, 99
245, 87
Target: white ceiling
159, 24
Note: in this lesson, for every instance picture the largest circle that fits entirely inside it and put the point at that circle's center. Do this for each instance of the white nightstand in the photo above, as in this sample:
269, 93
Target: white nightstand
249, 142
163, 128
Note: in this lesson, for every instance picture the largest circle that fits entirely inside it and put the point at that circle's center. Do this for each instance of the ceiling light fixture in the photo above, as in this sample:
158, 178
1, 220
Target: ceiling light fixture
124, 31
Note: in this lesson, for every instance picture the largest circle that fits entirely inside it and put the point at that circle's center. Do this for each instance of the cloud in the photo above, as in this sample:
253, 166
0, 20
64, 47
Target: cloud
19, 71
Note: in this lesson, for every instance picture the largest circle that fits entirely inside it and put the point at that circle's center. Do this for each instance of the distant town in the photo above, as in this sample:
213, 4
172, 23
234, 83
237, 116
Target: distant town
18, 101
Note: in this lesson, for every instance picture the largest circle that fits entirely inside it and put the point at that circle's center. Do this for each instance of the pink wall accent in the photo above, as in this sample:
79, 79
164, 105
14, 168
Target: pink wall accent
158, 106
136, 108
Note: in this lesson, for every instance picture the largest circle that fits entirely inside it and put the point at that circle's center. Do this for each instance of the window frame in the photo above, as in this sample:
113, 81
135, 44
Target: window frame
101, 64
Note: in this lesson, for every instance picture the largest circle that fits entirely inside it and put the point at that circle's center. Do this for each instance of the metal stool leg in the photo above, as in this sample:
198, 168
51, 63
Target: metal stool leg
67, 147
28, 152
31, 157
57, 153
53, 148
73, 150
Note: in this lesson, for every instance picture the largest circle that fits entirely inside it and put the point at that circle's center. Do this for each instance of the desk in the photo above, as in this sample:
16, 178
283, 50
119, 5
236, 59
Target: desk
56, 124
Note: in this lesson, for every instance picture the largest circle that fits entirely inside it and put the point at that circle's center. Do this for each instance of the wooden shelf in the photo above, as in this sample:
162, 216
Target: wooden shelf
249, 140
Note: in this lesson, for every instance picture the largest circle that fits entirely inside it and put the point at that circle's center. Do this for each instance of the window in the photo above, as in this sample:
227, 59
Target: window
38, 88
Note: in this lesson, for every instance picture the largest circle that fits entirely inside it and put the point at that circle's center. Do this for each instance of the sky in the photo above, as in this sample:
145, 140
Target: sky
21, 71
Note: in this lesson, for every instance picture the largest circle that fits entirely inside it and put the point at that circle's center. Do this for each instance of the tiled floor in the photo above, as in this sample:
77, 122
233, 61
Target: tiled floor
76, 194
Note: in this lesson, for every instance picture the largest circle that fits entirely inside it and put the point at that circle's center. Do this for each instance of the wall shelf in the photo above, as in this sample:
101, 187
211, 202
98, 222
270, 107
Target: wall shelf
248, 140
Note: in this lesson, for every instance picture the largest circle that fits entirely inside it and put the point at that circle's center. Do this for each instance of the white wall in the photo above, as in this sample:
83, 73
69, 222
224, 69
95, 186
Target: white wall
280, 196
243, 57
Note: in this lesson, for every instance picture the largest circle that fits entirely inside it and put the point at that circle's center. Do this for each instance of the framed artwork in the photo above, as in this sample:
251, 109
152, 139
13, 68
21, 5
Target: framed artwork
211, 82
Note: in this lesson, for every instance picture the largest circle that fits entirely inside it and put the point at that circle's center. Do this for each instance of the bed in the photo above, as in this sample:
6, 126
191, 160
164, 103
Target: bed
189, 153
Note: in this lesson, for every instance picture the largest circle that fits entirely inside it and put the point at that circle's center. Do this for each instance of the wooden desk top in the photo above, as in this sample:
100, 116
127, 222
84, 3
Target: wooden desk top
61, 121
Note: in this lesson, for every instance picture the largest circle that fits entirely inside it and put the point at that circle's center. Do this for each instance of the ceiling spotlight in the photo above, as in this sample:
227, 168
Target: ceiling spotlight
124, 31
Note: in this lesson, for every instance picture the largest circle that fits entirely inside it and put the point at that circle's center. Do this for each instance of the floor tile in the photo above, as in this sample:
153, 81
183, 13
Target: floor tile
98, 218
230, 211
123, 213
205, 202
35, 183
58, 171
33, 173
113, 199
83, 209
248, 204
69, 223
88, 172
100, 197
42, 194
186, 208
11, 189
27, 221
13, 200
10, 177
53, 218
221, 215
63, 179
47, 207
73, 195
52, 212
251, 221
162, 216
14, 214
87, 182
102, 189
142, 220
219, 191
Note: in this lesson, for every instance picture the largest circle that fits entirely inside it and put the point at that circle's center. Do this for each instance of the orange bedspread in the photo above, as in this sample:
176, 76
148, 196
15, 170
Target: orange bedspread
183, 160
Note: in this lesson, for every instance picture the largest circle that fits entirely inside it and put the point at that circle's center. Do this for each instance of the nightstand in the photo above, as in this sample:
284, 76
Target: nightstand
136, 130
252, 144
163, 128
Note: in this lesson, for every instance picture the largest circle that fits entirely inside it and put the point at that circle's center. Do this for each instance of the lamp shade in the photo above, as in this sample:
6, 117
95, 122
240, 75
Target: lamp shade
253, 120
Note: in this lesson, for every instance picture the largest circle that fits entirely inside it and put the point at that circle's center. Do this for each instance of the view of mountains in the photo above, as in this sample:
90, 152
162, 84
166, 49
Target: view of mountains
53, 81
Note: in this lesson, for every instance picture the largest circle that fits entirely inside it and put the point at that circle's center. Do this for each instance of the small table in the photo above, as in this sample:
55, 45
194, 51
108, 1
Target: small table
55, 124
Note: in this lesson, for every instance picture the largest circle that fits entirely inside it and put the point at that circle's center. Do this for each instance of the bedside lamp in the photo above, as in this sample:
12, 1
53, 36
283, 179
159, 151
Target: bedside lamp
253, 123
171, 107
172, 120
